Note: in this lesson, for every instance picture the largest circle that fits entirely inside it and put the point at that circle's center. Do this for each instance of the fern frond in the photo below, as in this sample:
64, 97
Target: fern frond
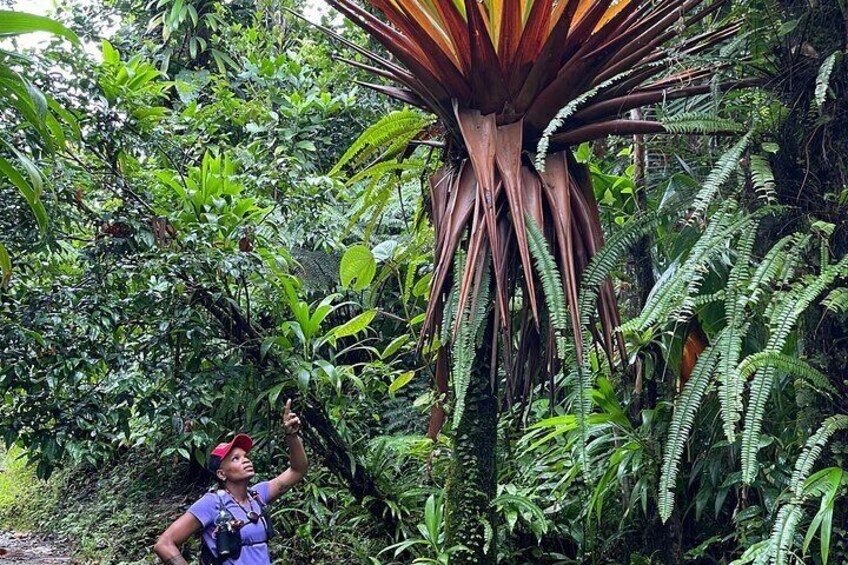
551, 283
730, 347
787, 364
783, 318
720, 173
392, 166
558, 312
700, 123
836, 300
681, 424
672, 296
763, 178
610, 255
390, 133
823, 78
769, 268
452, 303
812, 451
783, 534
465, 346
566, 112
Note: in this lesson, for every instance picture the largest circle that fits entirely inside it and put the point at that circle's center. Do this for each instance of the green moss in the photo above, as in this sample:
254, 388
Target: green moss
472, 479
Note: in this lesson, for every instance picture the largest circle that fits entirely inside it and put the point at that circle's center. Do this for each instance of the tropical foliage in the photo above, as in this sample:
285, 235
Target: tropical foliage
520, 326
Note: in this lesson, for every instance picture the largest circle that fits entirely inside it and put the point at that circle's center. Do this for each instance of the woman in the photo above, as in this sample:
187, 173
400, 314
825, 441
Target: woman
243, 507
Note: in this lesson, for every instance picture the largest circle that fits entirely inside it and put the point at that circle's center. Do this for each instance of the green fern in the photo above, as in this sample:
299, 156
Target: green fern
823, 77
790, 514
681, 424
383, 139
610, 256
671, 297
812, 451
700, 123
551, 283
783, 534
720, 173
770, 267
465, 346
730, 347
763, 178
783, 318
566, 112
788, 364
558, 311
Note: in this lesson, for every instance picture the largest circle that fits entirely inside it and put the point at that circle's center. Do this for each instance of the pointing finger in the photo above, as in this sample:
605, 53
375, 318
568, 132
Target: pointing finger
288, 409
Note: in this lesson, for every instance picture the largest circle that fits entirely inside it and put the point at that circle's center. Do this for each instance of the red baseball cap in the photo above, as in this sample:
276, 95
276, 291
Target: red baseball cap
243, 441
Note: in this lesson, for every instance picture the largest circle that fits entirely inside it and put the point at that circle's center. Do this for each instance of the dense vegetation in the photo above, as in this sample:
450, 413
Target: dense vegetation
211, 206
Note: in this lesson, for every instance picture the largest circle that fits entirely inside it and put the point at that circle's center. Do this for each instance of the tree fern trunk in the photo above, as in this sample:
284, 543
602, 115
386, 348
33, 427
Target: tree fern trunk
472, 479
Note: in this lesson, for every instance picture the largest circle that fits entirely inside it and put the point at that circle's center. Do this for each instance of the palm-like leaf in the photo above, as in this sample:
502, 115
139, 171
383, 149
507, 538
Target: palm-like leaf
496, 73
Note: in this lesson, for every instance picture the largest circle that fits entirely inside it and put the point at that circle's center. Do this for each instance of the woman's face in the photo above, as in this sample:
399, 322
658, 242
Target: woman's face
236, 466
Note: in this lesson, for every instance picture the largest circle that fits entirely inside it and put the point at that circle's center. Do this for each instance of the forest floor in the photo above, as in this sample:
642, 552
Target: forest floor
21, 548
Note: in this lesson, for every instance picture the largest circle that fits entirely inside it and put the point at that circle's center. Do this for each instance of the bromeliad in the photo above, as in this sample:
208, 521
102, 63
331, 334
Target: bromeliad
507, 78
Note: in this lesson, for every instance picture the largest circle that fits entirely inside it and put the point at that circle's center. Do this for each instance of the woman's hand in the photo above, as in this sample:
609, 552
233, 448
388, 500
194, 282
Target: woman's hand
291, 422
298, 463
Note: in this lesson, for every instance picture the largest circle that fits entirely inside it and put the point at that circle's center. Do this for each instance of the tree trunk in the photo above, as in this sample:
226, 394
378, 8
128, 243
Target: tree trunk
472, 478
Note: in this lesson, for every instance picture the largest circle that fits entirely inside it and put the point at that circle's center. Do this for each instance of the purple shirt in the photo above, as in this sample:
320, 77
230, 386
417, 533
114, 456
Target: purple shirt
254, 549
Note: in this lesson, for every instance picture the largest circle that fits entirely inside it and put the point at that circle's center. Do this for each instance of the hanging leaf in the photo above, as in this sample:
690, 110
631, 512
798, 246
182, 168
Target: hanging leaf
357, 268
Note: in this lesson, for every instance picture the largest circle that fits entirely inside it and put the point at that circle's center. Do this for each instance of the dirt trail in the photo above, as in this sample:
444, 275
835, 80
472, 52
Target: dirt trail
20, 548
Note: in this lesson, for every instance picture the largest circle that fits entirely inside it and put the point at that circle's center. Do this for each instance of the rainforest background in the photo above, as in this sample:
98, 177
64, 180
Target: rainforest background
205, 213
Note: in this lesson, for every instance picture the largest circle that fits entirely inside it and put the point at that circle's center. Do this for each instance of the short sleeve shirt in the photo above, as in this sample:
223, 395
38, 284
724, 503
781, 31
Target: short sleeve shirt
254, 550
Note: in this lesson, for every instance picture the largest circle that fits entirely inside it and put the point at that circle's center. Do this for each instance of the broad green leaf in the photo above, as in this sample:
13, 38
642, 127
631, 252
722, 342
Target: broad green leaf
355, 324
357, 268
394, 346
401, 381
29, 193
16, 23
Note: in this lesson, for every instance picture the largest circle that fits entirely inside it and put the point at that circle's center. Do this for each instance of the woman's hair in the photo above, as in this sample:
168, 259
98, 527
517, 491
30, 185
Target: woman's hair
213, 466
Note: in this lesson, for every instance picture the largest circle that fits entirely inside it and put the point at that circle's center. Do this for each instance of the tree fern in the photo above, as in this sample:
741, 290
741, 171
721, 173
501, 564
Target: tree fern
389, 135
721, 172
681, 424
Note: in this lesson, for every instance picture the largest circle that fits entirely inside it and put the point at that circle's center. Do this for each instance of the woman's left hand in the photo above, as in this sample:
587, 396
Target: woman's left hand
291, 422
